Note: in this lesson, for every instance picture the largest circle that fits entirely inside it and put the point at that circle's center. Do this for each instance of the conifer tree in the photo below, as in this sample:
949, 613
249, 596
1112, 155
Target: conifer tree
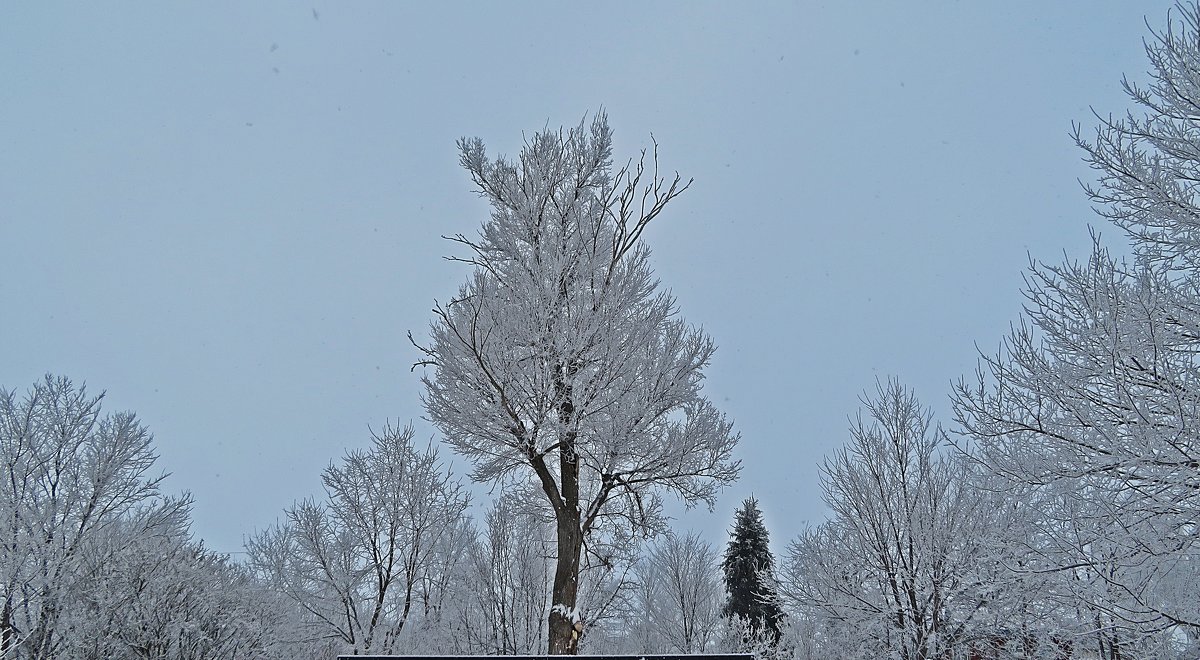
749, 578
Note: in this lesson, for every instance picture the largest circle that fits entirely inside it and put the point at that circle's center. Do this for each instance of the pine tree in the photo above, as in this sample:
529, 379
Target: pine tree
749, 578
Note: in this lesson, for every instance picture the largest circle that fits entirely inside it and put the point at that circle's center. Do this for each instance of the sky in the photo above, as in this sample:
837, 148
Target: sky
228, 215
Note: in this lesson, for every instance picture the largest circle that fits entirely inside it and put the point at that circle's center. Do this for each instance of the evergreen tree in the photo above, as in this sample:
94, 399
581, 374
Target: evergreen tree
749, 580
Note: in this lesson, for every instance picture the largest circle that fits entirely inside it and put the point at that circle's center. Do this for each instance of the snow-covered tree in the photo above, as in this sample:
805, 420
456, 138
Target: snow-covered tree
674, 605
1093, 401
69, 476
444, 585
507, 590
355, 564
911, 561
560, 369
749, 575
161, 596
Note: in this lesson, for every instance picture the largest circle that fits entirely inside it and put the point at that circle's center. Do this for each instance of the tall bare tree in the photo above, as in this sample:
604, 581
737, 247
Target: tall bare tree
1093, 401
561, 368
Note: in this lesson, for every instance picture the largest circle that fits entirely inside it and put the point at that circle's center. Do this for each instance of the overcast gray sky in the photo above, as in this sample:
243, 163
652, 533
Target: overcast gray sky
227, 215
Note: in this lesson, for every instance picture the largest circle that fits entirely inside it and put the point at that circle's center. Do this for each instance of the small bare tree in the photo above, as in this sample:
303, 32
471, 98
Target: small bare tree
355, 563
560, 369
675, 604
906, 563
508, 590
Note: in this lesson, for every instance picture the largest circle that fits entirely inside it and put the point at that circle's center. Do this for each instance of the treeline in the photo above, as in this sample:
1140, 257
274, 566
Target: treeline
99, 562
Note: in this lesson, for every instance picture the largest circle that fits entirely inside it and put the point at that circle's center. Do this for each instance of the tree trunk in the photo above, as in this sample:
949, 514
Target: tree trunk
565, 627
564, 636
8, 637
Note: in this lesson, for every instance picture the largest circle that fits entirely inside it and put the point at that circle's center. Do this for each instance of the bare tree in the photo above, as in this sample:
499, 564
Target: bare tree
355, 563
560, 369
508, 591
1093, 401
69, 476
905, 565
445, 586
162, 597
676, 601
